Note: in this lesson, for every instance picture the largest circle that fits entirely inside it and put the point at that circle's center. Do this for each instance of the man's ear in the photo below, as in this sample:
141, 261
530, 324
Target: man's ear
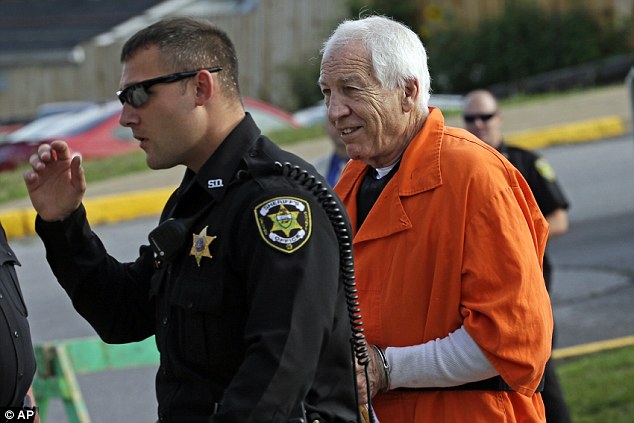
410, 95
205, 87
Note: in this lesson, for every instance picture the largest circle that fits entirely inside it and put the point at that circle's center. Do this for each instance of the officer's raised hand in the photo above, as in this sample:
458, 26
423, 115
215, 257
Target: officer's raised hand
55, 182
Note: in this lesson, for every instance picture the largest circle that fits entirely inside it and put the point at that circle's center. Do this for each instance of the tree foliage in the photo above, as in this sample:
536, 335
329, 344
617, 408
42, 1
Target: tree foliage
405, 11
522, 41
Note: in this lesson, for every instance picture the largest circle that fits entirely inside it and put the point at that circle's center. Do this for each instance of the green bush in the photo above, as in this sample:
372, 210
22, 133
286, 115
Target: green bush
523, 41
405, 11
303, 79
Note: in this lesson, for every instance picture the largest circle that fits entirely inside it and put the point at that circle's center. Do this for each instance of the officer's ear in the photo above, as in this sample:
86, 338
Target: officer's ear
205, 86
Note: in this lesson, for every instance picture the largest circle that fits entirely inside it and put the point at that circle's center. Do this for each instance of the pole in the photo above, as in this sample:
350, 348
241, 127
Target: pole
629, 81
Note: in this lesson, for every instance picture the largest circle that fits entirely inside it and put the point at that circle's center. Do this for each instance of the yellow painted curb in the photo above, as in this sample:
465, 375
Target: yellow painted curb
593, 347
20, 222
126, 206
584, 131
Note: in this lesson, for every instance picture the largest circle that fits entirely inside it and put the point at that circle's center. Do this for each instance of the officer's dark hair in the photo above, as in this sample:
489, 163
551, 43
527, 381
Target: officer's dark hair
187, 44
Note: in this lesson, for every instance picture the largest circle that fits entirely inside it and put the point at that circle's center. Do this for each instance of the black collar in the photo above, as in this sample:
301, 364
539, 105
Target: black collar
220, 169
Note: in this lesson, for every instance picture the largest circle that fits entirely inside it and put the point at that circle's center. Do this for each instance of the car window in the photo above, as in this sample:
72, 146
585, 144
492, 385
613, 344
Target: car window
66, 124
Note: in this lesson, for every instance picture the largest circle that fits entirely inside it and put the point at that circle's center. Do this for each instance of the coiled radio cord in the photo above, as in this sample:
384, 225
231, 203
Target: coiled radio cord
335, 214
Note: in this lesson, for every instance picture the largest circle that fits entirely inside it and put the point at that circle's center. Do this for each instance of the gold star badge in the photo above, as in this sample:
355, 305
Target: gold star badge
200, 245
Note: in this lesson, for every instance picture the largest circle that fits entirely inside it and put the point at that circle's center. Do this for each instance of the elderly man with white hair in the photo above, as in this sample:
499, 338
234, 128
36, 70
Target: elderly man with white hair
448, 242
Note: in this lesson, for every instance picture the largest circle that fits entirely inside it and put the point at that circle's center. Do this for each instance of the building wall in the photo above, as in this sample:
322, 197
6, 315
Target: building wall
268, 38
281, 33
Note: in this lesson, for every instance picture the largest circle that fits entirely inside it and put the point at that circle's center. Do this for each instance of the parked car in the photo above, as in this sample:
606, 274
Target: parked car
7, 128
94, 131
312, 115
45, 110
62, 107
269, 118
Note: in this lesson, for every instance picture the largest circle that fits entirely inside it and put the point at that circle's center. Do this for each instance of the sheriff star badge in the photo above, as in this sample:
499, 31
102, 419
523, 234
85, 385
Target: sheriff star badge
200, 245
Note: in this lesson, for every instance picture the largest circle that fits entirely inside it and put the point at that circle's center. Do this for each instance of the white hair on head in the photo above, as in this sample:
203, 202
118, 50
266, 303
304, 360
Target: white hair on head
397, 54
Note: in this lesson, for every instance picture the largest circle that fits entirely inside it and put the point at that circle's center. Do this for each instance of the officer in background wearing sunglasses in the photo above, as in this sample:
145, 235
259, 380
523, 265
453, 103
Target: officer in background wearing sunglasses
483, 119
240, 282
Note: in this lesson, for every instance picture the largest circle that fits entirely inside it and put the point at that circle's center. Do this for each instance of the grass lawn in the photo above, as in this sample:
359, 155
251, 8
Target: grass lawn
12, 183
599, 388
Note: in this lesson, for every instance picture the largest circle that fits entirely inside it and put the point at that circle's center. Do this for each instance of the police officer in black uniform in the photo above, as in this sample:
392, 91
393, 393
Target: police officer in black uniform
240, 280
483, 119
17, 360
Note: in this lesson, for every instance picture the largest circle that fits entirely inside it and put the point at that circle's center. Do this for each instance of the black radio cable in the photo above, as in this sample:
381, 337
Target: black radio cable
335, 214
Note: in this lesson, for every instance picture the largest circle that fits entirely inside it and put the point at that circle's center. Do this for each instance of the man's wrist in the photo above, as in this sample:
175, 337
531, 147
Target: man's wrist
384, 365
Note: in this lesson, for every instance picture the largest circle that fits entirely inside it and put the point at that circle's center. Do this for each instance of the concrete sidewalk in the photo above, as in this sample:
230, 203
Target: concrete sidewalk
569, 118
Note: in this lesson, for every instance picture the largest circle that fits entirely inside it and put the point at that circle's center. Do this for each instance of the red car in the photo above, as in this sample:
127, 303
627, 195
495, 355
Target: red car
92, 132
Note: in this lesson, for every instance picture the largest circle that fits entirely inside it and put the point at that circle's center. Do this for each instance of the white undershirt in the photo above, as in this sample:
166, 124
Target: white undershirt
450, 361
382, 171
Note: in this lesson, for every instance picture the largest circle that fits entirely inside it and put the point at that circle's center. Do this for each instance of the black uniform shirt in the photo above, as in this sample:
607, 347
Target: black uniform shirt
540, 177
249, 316
17, 361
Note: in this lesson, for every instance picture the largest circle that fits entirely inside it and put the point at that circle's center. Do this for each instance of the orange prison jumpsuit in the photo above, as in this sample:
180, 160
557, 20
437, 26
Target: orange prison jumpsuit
455, 238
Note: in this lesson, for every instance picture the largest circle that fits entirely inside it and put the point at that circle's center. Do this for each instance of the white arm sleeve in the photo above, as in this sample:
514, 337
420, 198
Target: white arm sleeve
450, 361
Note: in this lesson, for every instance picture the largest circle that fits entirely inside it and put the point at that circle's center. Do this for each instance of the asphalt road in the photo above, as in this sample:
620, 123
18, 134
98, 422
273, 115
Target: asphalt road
592, 296
593, 293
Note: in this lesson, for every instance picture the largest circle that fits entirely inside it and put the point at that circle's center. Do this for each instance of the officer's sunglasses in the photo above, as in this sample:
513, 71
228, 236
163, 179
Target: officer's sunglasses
484, 117
136, 95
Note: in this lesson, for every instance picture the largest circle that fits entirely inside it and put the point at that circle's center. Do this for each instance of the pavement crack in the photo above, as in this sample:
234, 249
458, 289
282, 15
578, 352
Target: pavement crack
575, 284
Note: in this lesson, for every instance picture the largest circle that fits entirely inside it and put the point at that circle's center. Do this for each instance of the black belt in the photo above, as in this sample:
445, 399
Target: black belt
493, 384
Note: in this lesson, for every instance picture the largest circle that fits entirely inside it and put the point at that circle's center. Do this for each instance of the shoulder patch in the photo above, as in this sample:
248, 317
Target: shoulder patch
545, 169
284, 223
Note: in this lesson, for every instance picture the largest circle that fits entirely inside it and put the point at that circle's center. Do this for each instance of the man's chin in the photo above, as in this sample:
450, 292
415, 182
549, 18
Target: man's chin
153, 164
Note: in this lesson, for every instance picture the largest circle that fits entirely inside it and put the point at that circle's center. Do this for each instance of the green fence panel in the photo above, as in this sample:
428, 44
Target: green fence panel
59, 363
